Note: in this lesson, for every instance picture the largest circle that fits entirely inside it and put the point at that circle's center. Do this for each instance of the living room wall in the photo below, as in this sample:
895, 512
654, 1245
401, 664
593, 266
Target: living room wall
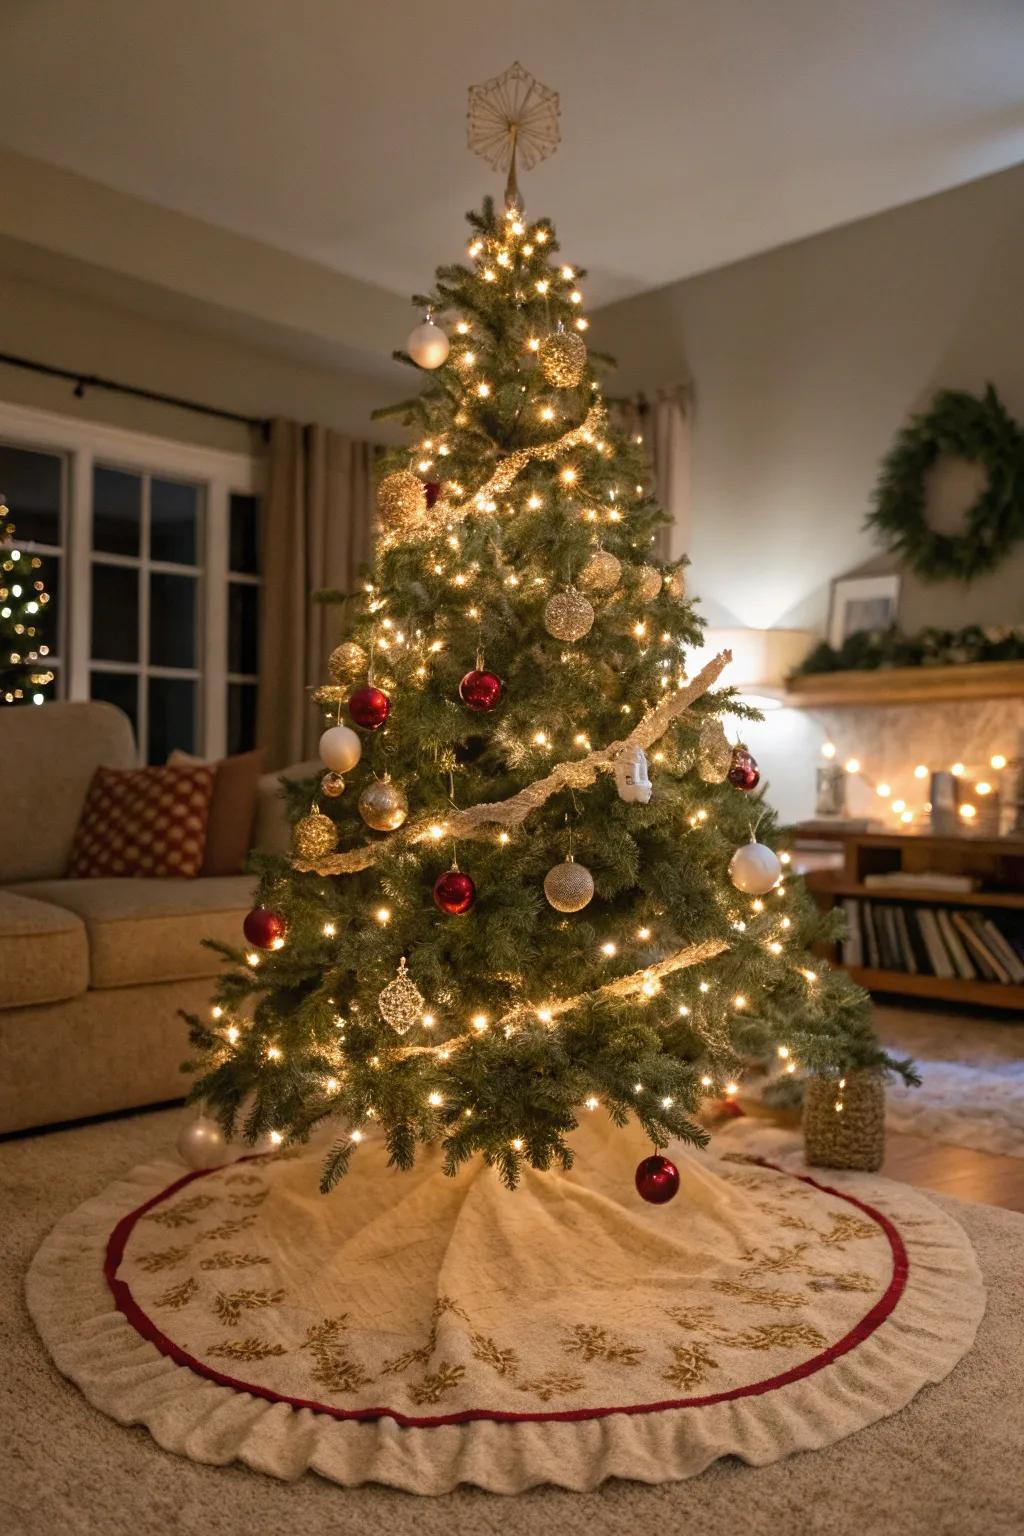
803, 363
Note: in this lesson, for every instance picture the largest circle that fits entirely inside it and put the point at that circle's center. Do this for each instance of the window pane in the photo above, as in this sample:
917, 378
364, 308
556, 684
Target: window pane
115, 612
31, 482
244, 553
243, 627
173, 521
241, 716
172, 620
172, 717
116, 511
120, 689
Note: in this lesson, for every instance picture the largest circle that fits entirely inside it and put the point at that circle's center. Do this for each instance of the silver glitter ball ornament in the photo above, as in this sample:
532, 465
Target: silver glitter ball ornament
346, 661
314, 836
383, 805
563, 359
569, 887
601, 572
568, 615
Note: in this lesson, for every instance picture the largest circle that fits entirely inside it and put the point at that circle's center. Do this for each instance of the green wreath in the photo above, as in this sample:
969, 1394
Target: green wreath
981, 431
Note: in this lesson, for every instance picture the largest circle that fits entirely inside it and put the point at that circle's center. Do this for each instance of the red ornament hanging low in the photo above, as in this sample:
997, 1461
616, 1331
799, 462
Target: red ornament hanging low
454, 892
264, 929
743, 771
369, 707
657, 1180
433, 489
480, 691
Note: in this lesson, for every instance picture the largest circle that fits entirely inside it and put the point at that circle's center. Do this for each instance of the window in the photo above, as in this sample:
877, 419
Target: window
150, 551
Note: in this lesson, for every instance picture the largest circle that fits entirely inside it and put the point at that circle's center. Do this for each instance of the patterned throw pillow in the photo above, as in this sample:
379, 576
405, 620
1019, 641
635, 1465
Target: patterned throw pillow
143, 822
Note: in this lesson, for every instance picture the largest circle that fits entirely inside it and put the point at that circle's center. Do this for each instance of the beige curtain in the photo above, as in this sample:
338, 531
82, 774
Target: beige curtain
665, 424
317, 532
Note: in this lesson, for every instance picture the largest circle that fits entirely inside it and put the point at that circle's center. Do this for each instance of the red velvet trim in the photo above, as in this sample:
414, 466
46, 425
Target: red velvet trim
144, 1325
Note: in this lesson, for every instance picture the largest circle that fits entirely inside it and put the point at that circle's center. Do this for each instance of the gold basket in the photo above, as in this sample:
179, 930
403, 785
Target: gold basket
852, 1136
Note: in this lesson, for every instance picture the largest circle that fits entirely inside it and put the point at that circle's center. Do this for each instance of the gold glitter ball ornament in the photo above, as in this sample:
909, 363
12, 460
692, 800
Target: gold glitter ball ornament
569, 887
675, 583
563, 359
601, 572
401, 496
714, 754
568, 615
401, 1002
314, 836
383, 805
332, 785
346, 661
650, 583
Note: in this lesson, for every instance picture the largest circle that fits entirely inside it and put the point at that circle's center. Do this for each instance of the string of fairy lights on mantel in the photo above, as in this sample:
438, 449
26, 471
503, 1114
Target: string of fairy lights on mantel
978, 785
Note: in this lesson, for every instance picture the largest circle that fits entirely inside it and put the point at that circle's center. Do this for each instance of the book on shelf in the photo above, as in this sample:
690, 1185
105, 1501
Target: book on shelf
950, 943
923, 880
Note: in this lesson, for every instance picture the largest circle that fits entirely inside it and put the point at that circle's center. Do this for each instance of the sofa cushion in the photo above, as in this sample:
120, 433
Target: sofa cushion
232, 809
49, 753
44, 956
143, 823
151, 930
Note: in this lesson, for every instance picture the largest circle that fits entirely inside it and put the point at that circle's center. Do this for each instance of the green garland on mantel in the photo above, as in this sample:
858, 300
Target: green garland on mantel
871, 650
981, 431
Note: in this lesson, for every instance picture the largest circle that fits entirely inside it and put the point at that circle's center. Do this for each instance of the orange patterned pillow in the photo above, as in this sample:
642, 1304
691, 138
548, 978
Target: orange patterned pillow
143, 822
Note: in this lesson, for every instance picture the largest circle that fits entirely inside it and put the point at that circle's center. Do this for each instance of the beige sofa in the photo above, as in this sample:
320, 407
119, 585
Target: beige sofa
93, 972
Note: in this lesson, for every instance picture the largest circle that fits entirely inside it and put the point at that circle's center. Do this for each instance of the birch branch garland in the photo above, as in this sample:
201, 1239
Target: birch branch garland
474, 821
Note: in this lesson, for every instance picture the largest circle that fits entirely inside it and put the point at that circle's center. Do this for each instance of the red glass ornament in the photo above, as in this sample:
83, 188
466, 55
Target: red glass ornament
262, 927
743, 771
369, 707
433, 489
480, 691
657, 1180
454, 892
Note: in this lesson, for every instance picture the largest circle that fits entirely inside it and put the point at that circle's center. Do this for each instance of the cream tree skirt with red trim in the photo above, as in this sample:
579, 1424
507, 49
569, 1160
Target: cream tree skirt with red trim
424, 1332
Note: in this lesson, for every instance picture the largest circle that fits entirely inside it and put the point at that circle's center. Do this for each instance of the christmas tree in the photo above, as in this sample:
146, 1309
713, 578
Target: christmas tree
24, 674
535, 880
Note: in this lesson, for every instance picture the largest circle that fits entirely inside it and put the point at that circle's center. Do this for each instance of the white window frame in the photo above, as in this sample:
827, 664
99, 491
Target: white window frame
82, 444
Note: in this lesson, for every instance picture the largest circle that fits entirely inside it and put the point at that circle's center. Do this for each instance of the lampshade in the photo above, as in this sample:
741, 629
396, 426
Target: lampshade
762, 659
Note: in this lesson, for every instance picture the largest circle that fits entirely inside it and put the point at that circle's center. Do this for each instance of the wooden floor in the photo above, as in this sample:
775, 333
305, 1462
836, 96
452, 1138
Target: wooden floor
987, 1178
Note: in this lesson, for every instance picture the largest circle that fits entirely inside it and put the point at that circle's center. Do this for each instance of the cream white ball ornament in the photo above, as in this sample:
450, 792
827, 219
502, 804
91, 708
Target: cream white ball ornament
201, 1143
427, 345
754, 869
340, 749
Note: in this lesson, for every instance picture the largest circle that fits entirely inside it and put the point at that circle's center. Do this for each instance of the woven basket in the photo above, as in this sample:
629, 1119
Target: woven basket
850, 1137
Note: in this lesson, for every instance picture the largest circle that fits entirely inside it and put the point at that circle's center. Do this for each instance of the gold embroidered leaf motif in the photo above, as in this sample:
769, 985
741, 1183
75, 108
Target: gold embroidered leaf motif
846, 1229
437, 1384
334, 1368
402, 1362
178, 1295
504, 1361
853, 1281
228, 1229
693, 1319
756, 1296
250, 1201
781, 1262
229, 1305
593, 1343
224, 1259
153, 1262
243, 1178
691, 1365
551, 1384
445, 1304
772, 1336
251, 1348
183, 1214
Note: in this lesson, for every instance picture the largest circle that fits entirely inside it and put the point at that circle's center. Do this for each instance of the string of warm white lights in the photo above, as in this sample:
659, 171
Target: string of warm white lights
968, 809
475, 820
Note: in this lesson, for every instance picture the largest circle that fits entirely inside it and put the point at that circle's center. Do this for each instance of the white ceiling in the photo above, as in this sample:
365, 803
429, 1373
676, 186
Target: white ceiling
695, 132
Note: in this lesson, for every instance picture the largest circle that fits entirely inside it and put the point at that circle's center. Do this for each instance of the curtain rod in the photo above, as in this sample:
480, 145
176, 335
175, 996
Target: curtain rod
84, 381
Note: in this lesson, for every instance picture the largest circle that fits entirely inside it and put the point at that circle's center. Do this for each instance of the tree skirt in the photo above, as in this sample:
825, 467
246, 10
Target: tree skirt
424, 1332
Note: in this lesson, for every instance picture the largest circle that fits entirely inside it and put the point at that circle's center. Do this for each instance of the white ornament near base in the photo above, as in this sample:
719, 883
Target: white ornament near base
428, 345
632, 779
340, 749
201, 1144
754, 869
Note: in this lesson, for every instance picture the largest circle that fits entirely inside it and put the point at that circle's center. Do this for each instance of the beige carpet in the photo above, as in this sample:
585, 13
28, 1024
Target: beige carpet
946, 1464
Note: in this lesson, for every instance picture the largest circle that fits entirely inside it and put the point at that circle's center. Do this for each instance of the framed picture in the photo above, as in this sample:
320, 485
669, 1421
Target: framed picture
862, 602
